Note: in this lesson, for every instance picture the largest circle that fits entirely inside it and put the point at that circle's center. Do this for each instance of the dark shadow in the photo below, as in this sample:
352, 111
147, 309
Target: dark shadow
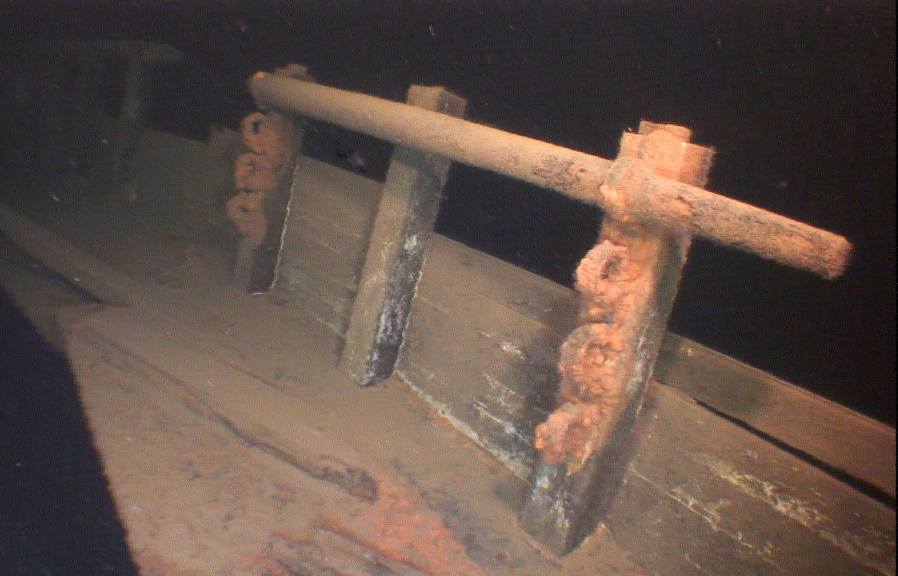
56, 514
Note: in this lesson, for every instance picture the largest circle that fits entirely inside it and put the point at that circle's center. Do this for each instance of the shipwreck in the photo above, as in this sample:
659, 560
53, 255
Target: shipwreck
332, 388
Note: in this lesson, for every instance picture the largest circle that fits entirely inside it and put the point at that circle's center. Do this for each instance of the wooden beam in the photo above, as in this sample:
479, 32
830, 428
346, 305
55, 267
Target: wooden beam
627, 283
81, 269
638, 192
705, 496
256, 263
841, 440
403, 226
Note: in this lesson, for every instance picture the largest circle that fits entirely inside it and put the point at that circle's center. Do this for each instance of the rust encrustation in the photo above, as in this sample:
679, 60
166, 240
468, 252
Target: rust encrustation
602, 279
268, 137
620, 279
593, 360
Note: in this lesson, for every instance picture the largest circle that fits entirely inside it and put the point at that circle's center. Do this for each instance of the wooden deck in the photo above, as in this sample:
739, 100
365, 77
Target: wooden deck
218, 412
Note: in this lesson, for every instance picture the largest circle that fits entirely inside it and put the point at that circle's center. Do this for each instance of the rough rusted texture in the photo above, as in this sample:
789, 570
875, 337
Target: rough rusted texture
602, 279
723, 220
668, 151
571, 432
633, 189
627, 283
618, 280
269, 139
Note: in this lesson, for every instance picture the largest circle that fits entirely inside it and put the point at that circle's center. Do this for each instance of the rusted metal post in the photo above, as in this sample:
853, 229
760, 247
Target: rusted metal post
402, 228
627, 284
632, 189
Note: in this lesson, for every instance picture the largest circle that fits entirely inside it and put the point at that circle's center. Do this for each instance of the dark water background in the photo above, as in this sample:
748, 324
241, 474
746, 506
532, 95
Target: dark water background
797, 97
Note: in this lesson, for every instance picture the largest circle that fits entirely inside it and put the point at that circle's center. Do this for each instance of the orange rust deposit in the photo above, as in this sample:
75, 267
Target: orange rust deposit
402, 527
565, 435
245, 211
588, 364
617, 281
591, 392
268, 134
599, 280
257, 173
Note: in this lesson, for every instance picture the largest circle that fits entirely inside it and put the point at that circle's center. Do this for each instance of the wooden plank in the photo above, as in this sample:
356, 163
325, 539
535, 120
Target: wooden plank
452, 267
214, 172
663, 514
78, 267
725, 502
478, 347
759, 400
323, 264
321, 539
160, 149
327, 304
323, 248
841, 438
800, 419
303, 448
475, 375
448, 348
520, 297
313, 232
403, 226
334, 198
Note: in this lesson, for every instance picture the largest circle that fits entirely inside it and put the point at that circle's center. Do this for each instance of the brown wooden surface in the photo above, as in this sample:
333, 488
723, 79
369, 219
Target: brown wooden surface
822, 429
329, 219
239, 367
80, 268
849, 442
704, 496
406, 213
459, 278
703, 491
683, 487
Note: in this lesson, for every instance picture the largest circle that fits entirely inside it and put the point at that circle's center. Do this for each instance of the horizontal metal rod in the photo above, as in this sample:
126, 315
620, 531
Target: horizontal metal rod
631, 190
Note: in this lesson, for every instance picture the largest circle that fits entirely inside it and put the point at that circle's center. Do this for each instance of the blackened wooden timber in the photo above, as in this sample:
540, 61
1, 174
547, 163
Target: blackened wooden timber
575, 174
403, 226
